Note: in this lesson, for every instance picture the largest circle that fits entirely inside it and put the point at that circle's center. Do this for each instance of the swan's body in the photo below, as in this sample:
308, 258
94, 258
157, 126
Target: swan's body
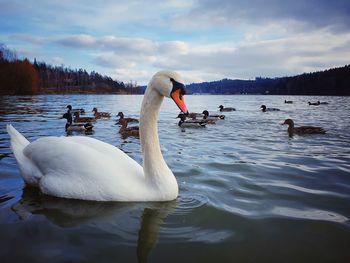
89, 169
288, 101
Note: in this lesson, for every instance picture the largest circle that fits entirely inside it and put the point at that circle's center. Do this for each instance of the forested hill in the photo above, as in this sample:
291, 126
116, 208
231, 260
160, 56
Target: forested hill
334, 81
21, 77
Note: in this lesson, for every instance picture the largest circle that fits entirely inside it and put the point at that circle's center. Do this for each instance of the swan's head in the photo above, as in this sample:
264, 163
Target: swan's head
170, 84
221, 107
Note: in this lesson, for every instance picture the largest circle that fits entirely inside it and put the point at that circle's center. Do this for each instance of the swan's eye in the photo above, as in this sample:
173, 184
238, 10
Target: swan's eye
178, 86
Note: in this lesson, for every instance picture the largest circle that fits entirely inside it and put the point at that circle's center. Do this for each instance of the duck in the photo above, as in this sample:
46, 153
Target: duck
314, 103
128, 131
264, 109
183, 123
77, 118
288, 101
194, 115
208, 119
322, 102
213, 116
121, 117
76, 126
81, 167
222, 108
99, 115
81, 110
302, 129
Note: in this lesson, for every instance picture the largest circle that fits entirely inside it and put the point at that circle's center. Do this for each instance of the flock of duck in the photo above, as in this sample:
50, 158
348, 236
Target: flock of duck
189, 120
77, 123
81, 167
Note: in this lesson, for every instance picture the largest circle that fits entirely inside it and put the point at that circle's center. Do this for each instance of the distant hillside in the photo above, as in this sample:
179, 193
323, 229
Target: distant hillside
334, 81
21, 77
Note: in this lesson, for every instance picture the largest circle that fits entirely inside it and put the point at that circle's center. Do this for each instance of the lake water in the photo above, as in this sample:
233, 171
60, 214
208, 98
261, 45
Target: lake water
247, 191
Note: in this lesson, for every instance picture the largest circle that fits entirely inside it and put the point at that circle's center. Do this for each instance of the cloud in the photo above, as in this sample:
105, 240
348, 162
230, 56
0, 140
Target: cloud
289, 56
291, 15
318, 50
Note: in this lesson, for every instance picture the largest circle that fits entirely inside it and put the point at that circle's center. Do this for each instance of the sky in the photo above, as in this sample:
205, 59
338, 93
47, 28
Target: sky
203, 40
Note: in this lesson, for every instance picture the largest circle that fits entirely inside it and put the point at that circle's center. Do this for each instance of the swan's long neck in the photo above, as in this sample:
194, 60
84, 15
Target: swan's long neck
154, 166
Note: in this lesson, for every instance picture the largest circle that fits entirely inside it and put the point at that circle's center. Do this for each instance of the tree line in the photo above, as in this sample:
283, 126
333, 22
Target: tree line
21, 77
335, 81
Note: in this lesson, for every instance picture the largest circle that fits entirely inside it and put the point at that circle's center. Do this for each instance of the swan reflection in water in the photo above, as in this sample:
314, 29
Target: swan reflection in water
132, 222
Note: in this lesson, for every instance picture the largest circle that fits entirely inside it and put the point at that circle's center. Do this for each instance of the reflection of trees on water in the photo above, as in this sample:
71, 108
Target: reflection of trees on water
117, 218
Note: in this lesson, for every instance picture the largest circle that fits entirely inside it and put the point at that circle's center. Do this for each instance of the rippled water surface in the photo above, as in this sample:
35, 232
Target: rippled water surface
248, 191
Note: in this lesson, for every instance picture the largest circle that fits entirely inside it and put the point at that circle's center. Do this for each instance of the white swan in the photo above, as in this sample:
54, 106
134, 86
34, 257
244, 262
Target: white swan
89, 169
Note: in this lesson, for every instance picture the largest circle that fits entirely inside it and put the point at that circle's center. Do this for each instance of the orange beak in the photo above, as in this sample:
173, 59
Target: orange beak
178, 98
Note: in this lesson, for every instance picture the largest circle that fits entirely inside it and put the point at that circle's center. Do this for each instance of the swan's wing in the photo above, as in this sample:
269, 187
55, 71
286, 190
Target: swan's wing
83, 168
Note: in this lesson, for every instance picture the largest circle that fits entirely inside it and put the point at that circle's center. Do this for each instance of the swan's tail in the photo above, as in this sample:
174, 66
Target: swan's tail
18, 142
30, 173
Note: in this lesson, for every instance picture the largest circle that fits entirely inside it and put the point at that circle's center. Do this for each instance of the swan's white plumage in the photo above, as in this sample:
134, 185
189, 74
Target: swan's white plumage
89, 169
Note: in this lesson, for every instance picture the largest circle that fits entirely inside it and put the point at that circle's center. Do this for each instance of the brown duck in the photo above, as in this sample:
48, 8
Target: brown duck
121, 117
99, 115
77, 118
302, 129
125, 131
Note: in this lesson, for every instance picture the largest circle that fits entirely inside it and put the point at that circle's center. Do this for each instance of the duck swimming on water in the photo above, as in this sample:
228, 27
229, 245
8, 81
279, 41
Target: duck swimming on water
99, 115
213, 116
87, 126
264, 109
81, 110
302, 129
121, 117
128, 131
77, 118
183, 123
208, 119
222, 108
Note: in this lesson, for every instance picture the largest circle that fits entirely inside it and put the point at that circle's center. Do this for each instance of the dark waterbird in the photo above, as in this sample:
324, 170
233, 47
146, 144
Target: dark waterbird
222, 108
264, 108
183, 123
212, 116
76, 126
